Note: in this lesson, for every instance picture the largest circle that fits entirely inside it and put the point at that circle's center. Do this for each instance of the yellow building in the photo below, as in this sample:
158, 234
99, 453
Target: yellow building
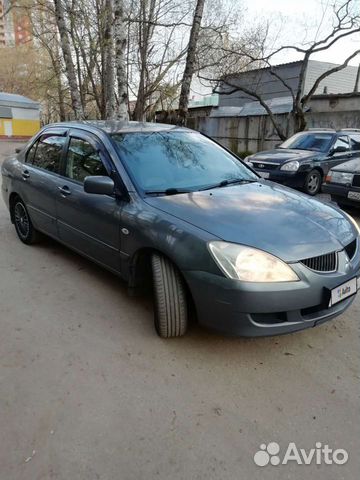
19, 116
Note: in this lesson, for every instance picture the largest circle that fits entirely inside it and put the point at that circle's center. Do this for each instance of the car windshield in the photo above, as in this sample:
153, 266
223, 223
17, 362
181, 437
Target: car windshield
170, 162
317, 141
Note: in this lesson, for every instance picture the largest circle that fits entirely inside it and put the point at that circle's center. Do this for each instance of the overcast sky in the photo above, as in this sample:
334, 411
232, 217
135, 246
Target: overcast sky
302, 20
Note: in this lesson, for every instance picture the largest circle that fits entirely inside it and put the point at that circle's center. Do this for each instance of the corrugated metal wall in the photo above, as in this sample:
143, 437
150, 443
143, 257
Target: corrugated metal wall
257, 133
269, 86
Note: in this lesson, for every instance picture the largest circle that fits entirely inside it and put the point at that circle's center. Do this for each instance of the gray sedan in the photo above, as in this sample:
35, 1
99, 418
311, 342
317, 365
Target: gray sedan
162, 205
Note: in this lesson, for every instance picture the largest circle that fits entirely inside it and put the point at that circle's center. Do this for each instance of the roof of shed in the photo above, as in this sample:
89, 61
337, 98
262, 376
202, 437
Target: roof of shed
277, 106
15, 100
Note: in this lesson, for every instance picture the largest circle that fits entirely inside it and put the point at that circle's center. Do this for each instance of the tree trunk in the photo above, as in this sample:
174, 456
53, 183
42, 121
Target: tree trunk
69, 66
356, 86
108, 67
190, 63
299, 120
120, 38
147, 22
139, 110
298, 105
59, 87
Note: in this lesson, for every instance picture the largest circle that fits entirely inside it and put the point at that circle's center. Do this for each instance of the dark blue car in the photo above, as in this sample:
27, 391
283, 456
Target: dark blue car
304, 160
165, 205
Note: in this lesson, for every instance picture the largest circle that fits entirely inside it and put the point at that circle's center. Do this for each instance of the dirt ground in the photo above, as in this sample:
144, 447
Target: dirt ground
88, 391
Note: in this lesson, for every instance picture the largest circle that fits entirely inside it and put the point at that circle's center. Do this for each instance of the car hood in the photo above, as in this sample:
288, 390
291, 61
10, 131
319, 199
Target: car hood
264, 215
281, 155
352, 166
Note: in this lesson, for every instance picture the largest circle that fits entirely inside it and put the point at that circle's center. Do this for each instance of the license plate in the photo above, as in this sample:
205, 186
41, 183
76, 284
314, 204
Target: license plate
264, 174
343, 291
354, 195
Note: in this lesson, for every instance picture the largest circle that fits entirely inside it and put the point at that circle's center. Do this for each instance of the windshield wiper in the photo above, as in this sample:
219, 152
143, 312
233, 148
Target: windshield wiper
225, 183
176, 191
168, 191
302, 148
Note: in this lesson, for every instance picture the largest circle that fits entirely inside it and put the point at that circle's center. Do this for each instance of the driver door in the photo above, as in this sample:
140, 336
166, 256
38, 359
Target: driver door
88, 223
341, 152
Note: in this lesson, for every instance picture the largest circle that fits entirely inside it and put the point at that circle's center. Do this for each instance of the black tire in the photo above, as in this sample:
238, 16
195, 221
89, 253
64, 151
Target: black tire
170, 309
312, 183
23, 224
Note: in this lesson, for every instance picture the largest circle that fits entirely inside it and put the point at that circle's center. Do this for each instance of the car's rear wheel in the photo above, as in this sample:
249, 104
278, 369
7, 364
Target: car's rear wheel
23, 224
170, 309
312, 183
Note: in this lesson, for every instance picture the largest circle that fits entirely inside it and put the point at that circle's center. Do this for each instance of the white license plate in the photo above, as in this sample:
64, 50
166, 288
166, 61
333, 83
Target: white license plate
264, 174
343, 291
354, 195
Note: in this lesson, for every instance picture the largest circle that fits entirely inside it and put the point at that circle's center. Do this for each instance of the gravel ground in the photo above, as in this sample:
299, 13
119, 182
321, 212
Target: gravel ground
88, 391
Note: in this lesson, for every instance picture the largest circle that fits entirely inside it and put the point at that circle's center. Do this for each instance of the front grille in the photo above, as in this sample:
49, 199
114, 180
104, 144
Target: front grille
351, 249
265, 166
322, 263
356, 181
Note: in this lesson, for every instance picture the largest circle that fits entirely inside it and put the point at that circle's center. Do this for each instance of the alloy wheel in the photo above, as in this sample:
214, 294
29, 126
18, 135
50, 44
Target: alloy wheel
21, 220
313, 183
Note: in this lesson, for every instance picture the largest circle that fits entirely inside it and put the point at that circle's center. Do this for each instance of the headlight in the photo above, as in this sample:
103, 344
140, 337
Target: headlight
341, 177
290, 166
250, 264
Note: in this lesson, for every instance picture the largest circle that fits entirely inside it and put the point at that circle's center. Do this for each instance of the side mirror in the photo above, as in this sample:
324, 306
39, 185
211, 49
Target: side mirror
339, 149
99, 185
18, 150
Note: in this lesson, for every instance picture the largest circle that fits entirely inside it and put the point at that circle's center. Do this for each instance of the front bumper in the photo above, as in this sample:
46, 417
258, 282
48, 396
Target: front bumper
262, 309
339, 193
289, 179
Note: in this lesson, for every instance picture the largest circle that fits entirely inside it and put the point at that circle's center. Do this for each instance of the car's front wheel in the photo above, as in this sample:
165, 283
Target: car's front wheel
170, 309
23, 224
312, 183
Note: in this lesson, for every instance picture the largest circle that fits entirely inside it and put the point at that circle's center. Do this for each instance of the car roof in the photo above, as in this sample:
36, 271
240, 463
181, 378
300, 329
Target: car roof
333, 130
118, 126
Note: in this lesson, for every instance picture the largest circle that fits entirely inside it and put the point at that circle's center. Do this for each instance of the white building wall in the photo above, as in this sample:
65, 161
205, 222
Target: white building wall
25, 113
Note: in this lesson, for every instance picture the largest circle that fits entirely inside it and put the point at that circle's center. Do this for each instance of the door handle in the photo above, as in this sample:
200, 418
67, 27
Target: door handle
25, 174
65, 191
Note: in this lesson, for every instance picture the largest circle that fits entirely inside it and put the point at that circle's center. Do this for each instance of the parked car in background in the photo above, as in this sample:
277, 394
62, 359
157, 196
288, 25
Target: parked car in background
343, 183
166, 205
304, 160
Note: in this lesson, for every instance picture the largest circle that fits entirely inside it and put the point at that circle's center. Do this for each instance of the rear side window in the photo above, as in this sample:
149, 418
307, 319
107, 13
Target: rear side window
83, 160
48, 152
355, 141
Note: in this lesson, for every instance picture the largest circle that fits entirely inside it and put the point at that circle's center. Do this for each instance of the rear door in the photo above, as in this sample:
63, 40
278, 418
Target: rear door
40, 177
86, 222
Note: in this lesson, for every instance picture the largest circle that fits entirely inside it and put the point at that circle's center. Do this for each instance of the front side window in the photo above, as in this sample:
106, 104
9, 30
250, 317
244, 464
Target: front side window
355, 141
31, 153
313, 141
83, 160
48, 152
341, 144
164, 160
